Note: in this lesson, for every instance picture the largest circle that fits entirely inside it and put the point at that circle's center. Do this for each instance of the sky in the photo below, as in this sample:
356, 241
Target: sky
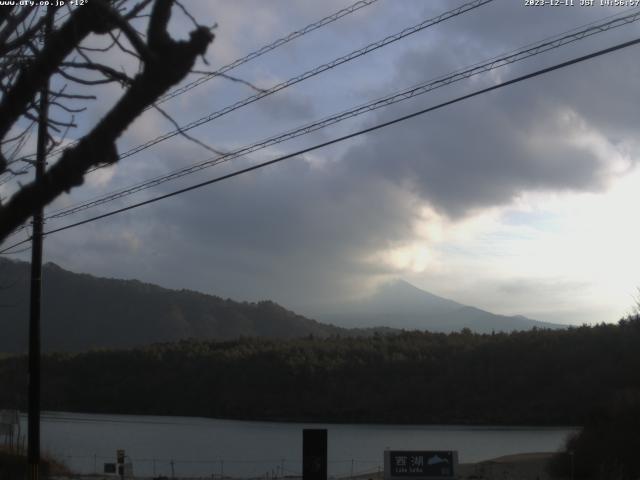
517, 201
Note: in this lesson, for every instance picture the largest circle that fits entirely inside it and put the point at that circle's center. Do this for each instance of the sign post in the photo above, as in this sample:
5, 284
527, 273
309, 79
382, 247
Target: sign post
314, 454
420, 464
120, 462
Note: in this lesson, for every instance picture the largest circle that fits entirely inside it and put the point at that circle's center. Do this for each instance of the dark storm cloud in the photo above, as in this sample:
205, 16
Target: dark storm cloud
298, 226
280, 233
555, 133
481, 154
301, 234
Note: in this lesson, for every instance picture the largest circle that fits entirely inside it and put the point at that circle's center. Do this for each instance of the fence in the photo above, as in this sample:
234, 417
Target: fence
11, 436
220, 469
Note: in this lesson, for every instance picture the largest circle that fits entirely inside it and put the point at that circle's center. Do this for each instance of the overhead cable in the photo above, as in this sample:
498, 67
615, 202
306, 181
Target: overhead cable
247, 58
311, 73
378, 126
420, 89
267, 48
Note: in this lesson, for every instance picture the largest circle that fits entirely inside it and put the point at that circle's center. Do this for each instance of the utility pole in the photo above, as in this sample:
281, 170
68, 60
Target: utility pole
33, 453
572, 456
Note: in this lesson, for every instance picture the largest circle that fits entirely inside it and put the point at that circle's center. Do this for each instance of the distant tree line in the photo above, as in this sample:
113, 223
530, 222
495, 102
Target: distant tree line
607, 446
539, 377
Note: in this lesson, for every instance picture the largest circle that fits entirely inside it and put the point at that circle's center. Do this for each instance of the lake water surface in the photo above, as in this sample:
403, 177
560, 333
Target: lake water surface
209, 447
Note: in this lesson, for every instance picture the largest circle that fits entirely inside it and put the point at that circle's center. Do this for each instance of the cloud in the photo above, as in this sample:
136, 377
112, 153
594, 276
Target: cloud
286, 233
545, 135
443, 200
287, 106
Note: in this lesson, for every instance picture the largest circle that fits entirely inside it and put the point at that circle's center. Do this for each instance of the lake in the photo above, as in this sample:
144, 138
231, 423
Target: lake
188, 446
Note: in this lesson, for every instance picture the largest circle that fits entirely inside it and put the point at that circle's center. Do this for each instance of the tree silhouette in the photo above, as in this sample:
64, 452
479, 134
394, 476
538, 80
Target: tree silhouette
28, 61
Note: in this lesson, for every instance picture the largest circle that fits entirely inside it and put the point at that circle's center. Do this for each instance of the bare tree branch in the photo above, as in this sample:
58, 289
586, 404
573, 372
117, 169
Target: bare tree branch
18, 136
83, 81
232, 78
165, 64
11, 22
108, 72
116, 40
133, 13
75, 97
187, 14
31, 79
177, 126
66, 108
20, 39
116, 20
82, 48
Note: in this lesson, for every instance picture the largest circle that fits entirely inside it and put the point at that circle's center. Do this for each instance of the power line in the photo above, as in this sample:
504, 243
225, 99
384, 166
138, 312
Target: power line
309, 74
529, 50
304, 76
16, 252
494, 62
247, 58
579, 33
379, 126
420, 89
267, 48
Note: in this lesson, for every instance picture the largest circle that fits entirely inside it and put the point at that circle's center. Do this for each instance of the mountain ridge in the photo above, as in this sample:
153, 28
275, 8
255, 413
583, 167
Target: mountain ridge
81, 312
399, 304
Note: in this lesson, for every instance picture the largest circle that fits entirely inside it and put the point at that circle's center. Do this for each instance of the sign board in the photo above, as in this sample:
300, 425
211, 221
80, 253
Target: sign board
314, 454
110, 468
420, 464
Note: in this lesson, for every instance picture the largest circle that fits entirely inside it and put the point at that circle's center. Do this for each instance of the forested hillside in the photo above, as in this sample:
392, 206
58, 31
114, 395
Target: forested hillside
80, 312
541, 377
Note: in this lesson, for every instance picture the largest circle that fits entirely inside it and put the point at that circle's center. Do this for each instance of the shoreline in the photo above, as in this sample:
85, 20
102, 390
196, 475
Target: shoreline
290, 421
522, 466
519, 466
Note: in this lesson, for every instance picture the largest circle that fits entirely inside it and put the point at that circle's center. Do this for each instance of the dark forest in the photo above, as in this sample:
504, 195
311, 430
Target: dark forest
538, 377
